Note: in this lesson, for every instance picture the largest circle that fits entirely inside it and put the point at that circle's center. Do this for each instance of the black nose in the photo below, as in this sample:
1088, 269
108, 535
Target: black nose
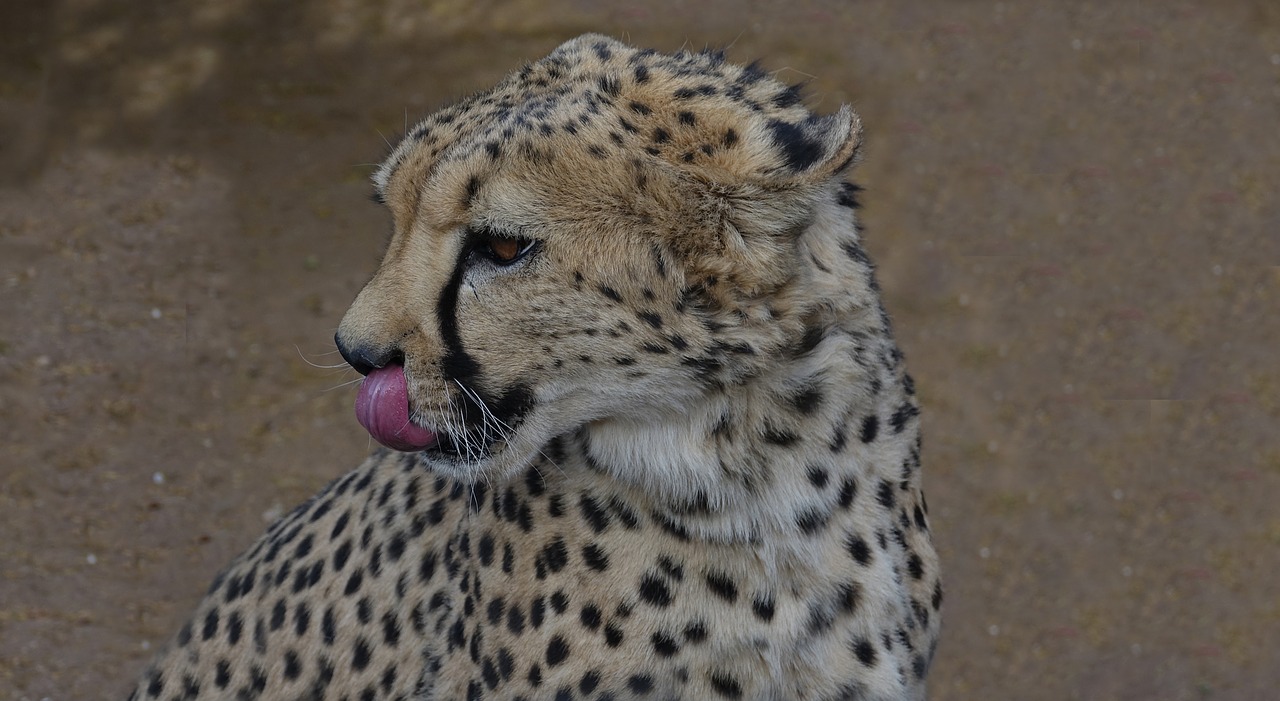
366, 359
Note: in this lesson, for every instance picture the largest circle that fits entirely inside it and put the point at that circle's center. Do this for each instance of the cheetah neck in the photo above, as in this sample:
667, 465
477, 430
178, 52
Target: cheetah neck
780, 451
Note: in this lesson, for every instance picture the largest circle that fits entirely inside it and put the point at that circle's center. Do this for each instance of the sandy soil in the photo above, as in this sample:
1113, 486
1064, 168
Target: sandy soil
1068, 202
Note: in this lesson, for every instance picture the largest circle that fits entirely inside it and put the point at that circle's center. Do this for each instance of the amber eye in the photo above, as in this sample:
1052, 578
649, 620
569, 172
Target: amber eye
504, 250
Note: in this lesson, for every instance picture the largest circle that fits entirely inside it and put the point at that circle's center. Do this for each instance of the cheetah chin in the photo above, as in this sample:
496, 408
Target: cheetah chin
653, 438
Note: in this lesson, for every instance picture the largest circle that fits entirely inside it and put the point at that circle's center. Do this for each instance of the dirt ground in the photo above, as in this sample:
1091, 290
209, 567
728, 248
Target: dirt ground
1069, 203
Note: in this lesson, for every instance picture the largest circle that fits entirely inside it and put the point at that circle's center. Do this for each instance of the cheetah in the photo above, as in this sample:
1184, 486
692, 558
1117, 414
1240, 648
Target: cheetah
648, 434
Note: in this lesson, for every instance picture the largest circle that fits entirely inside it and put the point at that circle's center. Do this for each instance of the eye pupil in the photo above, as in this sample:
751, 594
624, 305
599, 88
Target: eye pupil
504, 251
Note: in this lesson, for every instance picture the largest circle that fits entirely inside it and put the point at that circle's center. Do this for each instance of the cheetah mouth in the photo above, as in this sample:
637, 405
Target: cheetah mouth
382, 407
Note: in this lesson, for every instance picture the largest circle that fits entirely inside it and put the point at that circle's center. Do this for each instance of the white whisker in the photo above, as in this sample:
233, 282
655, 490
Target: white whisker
345, 384
322, 367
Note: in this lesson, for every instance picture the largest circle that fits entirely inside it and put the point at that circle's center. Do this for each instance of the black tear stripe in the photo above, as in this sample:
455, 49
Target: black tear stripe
514, 401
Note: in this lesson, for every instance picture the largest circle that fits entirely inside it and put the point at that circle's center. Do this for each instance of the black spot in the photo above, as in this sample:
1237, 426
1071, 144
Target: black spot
811, 521
779, 436
661, 136
859, 550
671, 527
919, 667
610, 293
612, 635
848, 490
798, 150
818, 476
884, 494
301, 618
360, 655
341, 554
211, 624
590, 617
328, 626
865, 652
473, 187
838, 439
537, 612
870, 427
640, 108
595, 557
156, 685
849, 196
695, 632
847, 597
642, 74
915, 566
808, 398
722, 586
763, 607
515, 620
652, 319
664, 645
559, 601
292, 667
688, 119
557, 651
640, 684
594, 514
789, 97
222, 674
902, 415
609, 85
589, 682
671, 568
495, 610
730, 138
235, 625
655, 591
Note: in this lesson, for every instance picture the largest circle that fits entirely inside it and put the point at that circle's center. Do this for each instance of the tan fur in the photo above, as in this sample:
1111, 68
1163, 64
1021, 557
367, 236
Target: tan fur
682, 455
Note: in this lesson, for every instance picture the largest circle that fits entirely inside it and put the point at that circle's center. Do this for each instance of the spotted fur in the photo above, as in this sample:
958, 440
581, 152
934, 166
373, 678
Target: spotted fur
679, 455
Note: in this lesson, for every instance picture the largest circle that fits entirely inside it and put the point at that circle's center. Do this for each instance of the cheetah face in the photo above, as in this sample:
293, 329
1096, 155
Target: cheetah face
590, 239
489, 331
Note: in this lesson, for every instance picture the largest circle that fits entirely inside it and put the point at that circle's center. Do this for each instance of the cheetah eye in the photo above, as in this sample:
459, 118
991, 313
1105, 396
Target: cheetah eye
504, 250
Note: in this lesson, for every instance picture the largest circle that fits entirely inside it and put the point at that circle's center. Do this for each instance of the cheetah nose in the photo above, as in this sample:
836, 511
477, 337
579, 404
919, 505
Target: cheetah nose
365, 359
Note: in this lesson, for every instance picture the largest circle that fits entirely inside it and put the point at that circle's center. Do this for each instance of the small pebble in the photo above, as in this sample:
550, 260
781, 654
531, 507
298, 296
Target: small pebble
91, 559
156, 313
275, 512
158, 478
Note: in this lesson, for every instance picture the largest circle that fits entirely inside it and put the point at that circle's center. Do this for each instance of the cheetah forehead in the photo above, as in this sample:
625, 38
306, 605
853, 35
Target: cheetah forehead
718, 120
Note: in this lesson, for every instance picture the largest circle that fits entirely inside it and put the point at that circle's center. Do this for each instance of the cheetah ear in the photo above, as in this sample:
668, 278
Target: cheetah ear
817, 148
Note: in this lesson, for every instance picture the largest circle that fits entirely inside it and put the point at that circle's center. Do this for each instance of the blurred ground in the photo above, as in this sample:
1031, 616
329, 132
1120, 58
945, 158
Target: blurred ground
1069, 204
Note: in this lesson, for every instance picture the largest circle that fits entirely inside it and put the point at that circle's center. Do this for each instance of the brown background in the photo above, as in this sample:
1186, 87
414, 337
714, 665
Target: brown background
1073, 206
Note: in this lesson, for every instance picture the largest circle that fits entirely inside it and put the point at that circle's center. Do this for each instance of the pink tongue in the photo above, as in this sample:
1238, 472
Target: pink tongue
382, 407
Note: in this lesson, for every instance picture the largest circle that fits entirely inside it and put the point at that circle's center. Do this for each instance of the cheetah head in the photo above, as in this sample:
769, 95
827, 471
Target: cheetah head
607, 233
